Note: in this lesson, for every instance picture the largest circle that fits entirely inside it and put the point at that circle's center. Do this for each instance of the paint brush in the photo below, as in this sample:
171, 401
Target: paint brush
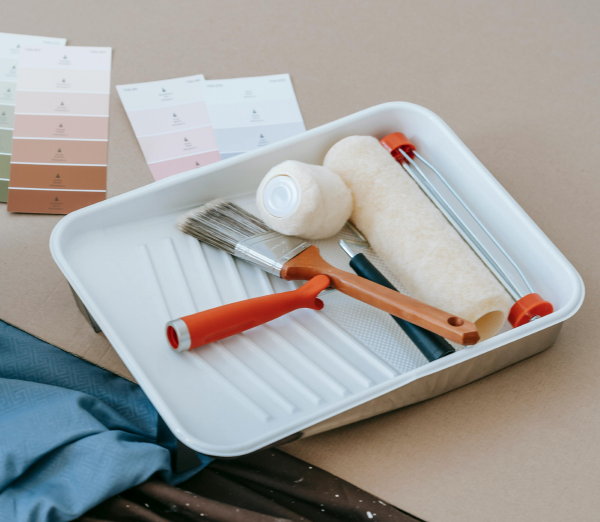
228, 227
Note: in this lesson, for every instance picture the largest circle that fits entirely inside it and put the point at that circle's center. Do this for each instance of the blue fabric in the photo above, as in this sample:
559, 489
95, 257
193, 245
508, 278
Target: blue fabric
71, 434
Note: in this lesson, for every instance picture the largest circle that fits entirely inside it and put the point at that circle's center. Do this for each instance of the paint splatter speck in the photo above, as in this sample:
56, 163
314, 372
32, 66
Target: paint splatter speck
370, 515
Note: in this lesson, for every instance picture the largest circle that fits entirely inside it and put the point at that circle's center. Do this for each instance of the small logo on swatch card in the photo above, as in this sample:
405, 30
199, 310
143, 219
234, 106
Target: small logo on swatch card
57, 181
176, 120
3, 118
64, 60
55, 204
61, 107
165, 95
188, 145
255, 116
63, 84
60, 130
262, 141
12, 71
7, 94
59, 155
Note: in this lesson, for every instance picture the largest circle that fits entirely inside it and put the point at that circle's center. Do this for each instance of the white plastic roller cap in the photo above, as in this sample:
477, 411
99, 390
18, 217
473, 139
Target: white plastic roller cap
281, 196
300, 199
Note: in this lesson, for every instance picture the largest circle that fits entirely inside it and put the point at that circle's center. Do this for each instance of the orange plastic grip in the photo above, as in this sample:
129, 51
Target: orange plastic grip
528, 307
395, 142
205, 327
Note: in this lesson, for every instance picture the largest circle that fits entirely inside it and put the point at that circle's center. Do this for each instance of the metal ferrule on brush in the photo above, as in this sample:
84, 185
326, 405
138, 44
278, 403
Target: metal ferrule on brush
270, 250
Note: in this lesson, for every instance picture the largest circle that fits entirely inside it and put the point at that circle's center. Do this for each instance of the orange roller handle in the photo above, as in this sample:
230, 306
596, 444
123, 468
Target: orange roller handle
528, 307
192, 331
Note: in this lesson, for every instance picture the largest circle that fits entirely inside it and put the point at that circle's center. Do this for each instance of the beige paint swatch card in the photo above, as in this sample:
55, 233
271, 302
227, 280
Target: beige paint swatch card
60, 141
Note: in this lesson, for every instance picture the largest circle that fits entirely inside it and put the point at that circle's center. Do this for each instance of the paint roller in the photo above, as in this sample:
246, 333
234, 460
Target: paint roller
414, 239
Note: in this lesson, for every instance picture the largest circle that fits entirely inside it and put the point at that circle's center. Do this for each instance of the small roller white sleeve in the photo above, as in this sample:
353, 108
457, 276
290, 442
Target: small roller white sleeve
412, 237
299, 199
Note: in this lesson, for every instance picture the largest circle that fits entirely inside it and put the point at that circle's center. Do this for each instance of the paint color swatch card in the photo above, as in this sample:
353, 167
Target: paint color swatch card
60, 138
10, 46
171, 123
247, 113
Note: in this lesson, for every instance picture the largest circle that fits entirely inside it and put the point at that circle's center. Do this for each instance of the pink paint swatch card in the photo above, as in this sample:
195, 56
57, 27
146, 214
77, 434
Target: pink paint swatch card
171, 123
60, 138
185, 123
10, 47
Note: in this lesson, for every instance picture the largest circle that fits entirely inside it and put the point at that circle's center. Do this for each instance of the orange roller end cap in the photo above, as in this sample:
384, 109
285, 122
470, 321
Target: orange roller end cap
394, 142
528, 307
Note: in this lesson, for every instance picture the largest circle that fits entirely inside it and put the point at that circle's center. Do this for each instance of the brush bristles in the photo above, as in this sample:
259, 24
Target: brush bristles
222, 224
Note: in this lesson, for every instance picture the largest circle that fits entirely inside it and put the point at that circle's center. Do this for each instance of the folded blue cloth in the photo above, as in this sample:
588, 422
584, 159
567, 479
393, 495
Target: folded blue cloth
71, 433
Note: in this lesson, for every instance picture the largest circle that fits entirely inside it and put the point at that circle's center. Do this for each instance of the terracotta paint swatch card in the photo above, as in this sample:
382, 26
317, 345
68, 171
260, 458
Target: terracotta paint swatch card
247, 113
10, 46
171, 123
60, 137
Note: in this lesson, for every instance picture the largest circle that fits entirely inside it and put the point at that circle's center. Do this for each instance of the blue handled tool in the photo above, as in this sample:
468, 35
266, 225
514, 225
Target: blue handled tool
431, 345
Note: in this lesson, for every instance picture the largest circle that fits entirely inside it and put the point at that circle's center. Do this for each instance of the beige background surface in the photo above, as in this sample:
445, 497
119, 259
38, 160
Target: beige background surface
519, 82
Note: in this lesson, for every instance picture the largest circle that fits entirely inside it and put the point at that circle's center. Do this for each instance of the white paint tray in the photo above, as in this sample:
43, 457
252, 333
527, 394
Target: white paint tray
308, 371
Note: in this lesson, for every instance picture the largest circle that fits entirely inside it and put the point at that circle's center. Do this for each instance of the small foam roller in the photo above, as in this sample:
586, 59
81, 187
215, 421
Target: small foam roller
412, 237
300, 199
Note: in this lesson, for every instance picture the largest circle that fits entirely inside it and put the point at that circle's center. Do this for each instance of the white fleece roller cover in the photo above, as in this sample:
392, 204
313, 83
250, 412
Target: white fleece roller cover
298, 199
412, 237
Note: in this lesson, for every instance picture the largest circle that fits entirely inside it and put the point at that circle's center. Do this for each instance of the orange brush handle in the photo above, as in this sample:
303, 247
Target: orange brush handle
224, 321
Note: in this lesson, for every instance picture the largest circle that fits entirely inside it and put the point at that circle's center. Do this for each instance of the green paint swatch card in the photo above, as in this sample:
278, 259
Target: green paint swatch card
10, 45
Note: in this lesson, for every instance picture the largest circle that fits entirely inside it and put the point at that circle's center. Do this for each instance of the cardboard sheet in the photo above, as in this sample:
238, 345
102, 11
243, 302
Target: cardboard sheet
518, 82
